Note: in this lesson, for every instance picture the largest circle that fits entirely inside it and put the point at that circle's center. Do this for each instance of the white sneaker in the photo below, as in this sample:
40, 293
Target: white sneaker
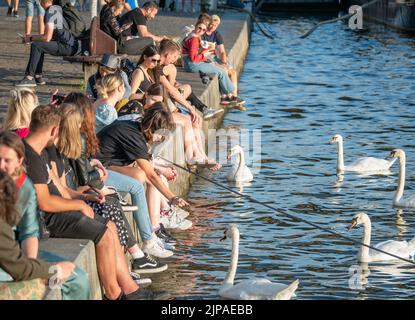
182, 214
142, 282
154, 249
171, 220
165, 245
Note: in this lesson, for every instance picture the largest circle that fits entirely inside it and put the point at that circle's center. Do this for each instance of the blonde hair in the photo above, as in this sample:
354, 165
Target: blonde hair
19, 112
107, 85
215, 18
69, 143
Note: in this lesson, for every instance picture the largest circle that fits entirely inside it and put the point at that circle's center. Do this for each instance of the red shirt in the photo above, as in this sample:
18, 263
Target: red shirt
22, 132
191, 48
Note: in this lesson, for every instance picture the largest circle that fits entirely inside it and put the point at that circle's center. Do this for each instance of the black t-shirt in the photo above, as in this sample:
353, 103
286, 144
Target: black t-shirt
54, 156
121, 143
38, 168
215, 37
135, 16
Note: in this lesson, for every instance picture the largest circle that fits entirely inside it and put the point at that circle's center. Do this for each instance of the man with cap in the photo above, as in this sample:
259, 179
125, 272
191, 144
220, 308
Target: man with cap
109, 64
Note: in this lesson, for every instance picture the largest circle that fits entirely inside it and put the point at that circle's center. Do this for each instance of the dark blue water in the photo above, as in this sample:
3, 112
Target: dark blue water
299, 93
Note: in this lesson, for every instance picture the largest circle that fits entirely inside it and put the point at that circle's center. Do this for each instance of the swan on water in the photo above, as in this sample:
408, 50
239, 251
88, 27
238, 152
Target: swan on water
402, 249
253, 289
239, 171
365, 164
398, 202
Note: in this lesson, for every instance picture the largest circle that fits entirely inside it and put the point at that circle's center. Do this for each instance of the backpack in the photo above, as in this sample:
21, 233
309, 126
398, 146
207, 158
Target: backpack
128, 67
75, 22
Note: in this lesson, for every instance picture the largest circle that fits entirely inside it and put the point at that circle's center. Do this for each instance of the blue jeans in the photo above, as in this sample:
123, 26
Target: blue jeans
141, 216
225, 83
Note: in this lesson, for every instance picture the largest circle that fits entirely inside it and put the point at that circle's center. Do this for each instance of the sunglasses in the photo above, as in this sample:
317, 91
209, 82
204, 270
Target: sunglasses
155, 60
201, 29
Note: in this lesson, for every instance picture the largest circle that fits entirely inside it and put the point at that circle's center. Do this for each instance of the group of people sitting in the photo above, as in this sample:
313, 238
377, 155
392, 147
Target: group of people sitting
199, 47
66, 166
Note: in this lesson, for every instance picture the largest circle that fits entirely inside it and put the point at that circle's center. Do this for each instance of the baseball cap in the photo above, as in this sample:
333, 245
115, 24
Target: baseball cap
110, 61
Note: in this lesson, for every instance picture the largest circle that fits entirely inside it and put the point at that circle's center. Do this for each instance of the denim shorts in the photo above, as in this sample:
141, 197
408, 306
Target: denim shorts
32, 6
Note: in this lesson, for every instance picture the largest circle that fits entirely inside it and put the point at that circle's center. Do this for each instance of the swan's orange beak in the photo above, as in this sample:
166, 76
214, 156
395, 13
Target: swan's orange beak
353, 224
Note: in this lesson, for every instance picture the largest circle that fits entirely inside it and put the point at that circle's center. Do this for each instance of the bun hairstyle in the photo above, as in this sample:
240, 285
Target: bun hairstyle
107, 85
8, 200
23, 101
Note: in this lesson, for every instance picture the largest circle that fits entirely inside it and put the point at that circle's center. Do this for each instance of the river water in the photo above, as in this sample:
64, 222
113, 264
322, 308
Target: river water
299, 93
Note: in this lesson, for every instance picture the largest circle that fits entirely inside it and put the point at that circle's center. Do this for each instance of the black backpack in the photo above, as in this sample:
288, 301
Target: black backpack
128, 67
75, 22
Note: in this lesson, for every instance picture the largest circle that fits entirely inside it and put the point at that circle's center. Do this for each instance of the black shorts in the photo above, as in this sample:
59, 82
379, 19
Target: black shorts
75, 225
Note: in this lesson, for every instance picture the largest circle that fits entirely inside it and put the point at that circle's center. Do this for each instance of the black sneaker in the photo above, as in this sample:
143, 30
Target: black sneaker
210, 113
25, 82
16, 13
147, 264
237, 100
165, 236
39, 81
9, 11
144, 294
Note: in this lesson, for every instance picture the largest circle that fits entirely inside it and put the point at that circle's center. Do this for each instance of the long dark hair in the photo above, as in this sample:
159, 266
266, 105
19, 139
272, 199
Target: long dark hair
88, 124
8, 200
149, 51
156, 118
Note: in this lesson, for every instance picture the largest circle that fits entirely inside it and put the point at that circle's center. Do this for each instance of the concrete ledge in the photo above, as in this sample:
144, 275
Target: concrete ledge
80, 252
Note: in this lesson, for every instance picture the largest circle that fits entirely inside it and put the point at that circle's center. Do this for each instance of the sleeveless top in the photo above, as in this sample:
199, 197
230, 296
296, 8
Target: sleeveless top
145, 83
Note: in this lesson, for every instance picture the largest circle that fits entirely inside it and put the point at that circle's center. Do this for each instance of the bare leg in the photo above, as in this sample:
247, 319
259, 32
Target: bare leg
234, 79
106, 263
41, 24
124, 279
28, 25
190, 145
16, 5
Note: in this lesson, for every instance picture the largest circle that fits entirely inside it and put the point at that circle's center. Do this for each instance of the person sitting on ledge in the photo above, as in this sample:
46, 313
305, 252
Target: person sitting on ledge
57, 41
12, 153
139, 17
109, 64
195, 60
110, 24
214, 39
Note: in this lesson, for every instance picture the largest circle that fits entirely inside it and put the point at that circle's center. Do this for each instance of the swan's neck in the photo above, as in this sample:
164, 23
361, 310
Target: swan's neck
241, 163
234, 260
401, 179
340, 159
364, 251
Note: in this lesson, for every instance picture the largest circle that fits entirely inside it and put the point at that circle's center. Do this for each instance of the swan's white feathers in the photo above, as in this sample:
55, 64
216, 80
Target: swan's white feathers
259, 289
369, 164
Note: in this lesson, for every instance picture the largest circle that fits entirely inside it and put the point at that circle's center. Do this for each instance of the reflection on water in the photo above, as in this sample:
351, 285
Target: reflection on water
299, 93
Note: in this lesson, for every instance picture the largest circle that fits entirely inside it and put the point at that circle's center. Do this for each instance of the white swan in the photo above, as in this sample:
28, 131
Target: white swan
253, 289
365, 164
402, 249
398, 202
239, 171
